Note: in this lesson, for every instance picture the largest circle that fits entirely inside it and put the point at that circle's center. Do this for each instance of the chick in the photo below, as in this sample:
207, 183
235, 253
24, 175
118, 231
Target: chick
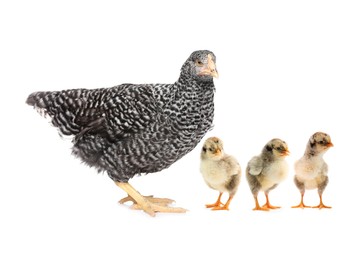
311, 170
220, 171
266, 171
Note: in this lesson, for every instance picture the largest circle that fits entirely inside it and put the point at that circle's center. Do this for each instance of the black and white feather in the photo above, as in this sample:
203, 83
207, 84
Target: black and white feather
132, 129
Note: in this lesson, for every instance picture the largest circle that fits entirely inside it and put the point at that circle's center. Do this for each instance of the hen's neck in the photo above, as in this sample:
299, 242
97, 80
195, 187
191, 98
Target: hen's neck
187, 84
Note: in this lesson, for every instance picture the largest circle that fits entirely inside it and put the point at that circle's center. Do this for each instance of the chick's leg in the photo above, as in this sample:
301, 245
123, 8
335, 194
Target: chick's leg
226, 206
301, 187
267, 205
148, 204
301, 205
320, 189
257, 206
321, 205
216, 204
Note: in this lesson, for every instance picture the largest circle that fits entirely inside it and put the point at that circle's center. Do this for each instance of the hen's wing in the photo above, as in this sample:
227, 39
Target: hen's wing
111, 111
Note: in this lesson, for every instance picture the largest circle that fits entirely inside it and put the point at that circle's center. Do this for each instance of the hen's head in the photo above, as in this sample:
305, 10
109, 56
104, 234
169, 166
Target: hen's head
200, 66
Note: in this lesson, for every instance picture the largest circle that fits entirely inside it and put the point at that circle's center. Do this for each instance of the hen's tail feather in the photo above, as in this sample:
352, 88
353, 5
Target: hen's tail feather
61, 106
37, 99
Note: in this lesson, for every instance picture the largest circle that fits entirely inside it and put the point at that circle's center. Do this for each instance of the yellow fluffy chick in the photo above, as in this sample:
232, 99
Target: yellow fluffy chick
266, 171
220, 171
311, 170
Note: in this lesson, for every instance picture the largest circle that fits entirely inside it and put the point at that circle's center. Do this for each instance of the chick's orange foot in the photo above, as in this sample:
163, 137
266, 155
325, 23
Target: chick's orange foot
148, 204
301, 206
269, 206
322, 206
214, 205
258, 207
217, 204
224, 206
261, 208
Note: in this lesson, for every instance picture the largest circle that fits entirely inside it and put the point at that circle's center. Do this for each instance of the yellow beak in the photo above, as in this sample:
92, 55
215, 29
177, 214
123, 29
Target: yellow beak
210, 69
286, 153
329, 144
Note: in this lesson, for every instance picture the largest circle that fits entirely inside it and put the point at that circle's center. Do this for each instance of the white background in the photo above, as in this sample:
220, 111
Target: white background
287, 69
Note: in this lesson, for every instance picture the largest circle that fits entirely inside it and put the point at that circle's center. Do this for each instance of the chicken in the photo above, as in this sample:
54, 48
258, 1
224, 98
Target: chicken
266, 171
220, 171
129, 130
311, 170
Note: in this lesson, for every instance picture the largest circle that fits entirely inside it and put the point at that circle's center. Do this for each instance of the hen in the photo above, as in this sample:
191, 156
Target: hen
131, 129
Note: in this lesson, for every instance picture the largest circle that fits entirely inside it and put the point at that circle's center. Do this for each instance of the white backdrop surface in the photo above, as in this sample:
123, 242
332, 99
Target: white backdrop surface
287, 69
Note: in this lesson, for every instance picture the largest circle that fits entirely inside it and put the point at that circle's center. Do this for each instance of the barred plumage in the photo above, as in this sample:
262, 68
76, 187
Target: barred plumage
133, 129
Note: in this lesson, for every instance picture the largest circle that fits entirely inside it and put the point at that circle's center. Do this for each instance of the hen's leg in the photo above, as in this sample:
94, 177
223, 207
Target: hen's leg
160, 201
149, 204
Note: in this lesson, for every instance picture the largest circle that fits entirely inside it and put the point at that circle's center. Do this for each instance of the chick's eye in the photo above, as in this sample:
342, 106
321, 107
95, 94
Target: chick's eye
321, 142
199, 63
210, 149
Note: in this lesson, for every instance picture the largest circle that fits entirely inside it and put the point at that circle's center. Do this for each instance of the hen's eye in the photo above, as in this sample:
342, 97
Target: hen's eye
199, 63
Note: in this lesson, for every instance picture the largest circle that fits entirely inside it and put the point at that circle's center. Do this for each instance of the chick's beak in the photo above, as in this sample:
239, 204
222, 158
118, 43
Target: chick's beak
286, 153
217, 151
210, 69
329, 144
